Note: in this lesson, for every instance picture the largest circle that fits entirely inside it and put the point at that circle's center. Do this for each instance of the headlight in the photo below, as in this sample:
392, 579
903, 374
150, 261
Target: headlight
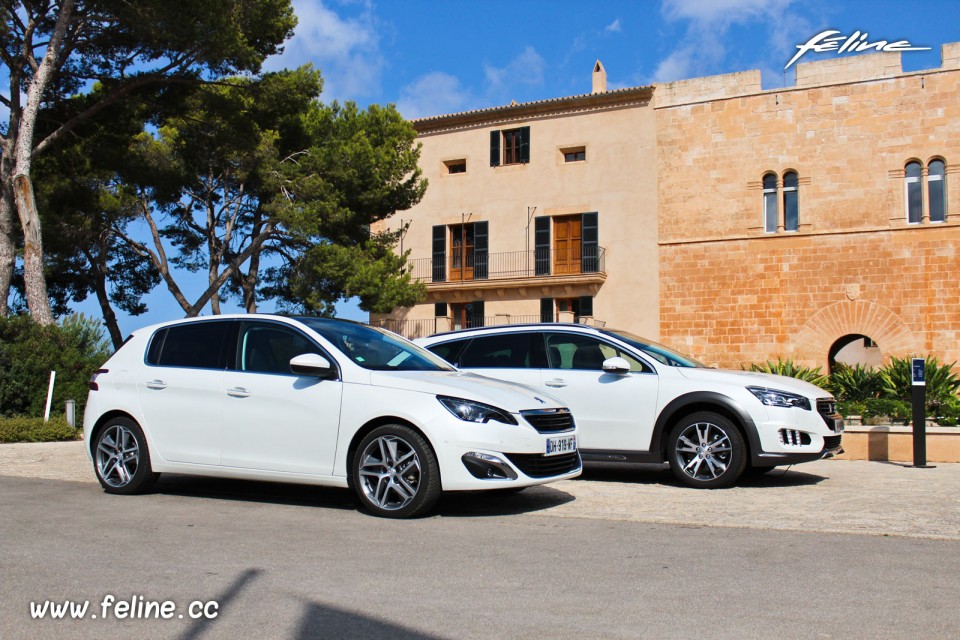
774, 398
470, 411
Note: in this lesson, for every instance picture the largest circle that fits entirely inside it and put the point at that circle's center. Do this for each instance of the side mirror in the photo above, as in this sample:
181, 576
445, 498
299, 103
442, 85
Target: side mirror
313, 365
616, 365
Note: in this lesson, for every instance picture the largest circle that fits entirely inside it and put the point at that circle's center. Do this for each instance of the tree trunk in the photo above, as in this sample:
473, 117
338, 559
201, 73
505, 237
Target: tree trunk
34, 280
8, 245
100, 268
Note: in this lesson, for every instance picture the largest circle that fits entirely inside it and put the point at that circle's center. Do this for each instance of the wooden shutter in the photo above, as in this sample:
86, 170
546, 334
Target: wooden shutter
439, 253
481, 268
495, 148
541, 251
589, 246
524, 145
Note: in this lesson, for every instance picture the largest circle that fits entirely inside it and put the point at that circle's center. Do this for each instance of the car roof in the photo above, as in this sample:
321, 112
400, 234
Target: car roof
538, 326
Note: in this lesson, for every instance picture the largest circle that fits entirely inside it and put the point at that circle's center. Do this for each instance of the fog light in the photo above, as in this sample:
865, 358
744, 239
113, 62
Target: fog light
484, 466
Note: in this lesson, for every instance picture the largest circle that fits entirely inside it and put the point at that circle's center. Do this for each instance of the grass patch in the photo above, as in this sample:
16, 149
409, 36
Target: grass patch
36, 430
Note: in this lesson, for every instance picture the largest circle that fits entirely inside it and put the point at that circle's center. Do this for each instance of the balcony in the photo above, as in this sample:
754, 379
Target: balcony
479, 270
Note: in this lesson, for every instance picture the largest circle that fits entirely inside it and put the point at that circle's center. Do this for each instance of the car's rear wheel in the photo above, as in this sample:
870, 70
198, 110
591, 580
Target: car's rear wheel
395, 472
121, 458
707, 451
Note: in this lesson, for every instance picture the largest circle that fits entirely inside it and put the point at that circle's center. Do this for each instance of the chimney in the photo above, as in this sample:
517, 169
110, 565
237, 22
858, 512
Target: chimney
599, 78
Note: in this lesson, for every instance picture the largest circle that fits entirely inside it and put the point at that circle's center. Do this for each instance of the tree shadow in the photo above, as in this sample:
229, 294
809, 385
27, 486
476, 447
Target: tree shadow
325, 621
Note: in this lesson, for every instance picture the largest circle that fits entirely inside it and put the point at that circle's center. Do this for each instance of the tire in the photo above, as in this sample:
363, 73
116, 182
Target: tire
706, 451
121, 458
395, 473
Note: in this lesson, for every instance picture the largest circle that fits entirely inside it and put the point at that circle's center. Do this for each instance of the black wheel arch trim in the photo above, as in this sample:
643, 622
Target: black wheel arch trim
705, 401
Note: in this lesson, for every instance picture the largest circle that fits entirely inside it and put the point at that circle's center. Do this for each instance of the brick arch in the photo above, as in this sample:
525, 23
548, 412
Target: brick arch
811, 344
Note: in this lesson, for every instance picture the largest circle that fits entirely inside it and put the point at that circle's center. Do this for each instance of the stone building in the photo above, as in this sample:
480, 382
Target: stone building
731, 222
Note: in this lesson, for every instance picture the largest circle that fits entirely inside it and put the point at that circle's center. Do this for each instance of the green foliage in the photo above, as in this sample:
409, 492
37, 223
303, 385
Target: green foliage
941, 383
855, 384
29, 351
36, 430
790, 369
877, 410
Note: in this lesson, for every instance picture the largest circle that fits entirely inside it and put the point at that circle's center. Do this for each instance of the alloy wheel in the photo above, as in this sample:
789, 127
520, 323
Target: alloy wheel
118, 455
389, 472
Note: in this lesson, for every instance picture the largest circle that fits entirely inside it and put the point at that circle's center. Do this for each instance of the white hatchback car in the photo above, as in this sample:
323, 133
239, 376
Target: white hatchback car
317, 401
638, 401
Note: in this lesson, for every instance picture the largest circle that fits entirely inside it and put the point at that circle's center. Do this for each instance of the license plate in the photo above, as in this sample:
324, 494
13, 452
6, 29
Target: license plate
561, 445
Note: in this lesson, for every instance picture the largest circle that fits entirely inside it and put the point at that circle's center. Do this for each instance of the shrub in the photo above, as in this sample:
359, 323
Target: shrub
855, 384
75, 348
789, 368
36, 430
941, 383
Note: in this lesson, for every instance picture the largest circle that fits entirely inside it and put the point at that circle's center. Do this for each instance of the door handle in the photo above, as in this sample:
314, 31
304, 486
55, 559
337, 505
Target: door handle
556, 383
238, 392
155, 384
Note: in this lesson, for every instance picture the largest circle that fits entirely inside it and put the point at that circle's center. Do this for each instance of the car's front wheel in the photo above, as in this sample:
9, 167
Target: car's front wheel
121, 458
395, 472
707, 451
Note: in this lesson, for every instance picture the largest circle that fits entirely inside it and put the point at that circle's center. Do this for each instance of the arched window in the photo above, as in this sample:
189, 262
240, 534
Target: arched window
770, 212
913, 193
936, 191
791, 203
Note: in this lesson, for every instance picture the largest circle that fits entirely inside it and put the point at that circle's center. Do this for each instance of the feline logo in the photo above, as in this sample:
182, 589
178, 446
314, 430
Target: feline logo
832, 40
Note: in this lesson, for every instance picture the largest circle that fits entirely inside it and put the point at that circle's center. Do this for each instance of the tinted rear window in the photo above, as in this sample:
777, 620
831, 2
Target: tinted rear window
504, 351
195, 344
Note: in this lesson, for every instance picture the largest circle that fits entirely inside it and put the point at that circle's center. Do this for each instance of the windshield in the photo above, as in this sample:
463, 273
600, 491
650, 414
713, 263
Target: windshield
374, 348
658, 352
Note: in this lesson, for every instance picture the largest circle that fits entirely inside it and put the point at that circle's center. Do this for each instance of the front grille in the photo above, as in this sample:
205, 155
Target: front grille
549, 420
827, 408
537, 465
831, 442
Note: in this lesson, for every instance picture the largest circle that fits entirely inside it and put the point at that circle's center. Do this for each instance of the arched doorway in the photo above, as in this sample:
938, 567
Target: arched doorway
855, 349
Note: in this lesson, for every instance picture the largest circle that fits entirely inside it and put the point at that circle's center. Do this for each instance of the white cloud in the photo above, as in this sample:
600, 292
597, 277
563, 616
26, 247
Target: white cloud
345, 48
526, 69
613, 27
433, 94
701, 50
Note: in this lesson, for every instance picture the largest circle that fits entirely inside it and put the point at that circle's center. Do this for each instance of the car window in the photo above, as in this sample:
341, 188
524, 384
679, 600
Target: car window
374, 348
449, 351
194, 344
504, 351
268, 348
572, 351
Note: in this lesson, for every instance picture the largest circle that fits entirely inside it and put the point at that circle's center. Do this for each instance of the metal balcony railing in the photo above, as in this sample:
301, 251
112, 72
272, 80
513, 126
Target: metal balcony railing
412, 329
475, 265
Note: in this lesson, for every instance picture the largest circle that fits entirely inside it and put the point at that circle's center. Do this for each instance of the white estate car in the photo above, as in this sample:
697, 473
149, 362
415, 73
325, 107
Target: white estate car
637, 401
316, 401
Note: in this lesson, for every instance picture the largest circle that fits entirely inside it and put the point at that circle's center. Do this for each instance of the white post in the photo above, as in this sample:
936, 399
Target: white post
46, 412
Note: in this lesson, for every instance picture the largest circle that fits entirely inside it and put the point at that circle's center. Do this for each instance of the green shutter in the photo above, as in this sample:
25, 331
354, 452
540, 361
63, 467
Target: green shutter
589, 245
481, 265
439, 253
495, 148
541, 253
524, 145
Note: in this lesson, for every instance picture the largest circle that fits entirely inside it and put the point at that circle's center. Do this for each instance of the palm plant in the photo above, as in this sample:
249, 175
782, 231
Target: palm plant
791, 369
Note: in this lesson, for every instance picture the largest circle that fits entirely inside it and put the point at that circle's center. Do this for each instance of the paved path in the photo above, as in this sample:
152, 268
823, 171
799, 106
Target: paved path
832, 496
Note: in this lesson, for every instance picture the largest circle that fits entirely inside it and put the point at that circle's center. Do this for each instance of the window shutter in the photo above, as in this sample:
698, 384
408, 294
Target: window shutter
586, 306
481, 268
439, 253
495, 148
546, 310
524, 145
589, 246
542, 246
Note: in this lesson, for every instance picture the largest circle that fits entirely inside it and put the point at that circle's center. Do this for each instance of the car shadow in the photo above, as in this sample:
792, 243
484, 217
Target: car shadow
660, 474
459, 504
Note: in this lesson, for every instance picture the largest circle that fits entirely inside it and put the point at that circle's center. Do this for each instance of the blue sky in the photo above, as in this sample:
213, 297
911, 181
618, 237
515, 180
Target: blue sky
432, 57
